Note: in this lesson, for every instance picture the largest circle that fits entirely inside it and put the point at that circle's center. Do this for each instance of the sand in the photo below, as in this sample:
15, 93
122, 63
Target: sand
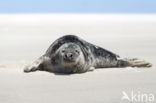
25, 37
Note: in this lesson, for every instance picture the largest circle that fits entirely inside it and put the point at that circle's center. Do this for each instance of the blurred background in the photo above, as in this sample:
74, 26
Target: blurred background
28, 27
77, 6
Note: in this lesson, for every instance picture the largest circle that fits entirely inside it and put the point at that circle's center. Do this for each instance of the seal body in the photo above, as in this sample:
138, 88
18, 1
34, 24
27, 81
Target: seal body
71, 54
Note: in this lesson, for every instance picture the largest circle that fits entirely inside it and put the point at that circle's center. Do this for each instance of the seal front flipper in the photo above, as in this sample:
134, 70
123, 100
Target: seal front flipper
91, 69
37, 65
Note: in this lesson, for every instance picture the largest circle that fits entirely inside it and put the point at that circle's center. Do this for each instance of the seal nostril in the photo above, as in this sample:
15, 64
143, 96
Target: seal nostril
71, 55
66, 56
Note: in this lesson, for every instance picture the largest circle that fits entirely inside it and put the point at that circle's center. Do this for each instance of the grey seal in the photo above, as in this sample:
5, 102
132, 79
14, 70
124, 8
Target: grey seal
71, 54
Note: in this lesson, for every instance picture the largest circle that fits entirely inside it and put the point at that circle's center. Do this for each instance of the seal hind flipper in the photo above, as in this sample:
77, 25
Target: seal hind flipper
133, 62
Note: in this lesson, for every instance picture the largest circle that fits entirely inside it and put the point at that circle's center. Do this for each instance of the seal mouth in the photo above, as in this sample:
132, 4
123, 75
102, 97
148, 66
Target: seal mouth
69, 60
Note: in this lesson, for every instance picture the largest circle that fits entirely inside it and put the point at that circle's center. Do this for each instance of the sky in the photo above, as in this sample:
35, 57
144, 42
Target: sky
77, 6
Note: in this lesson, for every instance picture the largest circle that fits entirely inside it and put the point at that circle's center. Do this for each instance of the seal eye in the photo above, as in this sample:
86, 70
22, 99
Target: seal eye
63, 51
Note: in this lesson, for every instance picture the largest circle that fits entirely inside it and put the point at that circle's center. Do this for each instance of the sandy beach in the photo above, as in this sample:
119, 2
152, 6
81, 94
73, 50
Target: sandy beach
25, 37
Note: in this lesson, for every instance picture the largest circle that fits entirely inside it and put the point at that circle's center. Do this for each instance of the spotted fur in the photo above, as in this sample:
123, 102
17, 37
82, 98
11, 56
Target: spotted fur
91, 56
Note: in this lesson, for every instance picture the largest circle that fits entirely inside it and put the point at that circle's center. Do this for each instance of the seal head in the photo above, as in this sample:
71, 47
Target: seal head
68, 58
70, 53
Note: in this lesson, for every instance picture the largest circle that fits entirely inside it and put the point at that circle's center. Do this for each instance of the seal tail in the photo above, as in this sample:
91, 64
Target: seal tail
134, 62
